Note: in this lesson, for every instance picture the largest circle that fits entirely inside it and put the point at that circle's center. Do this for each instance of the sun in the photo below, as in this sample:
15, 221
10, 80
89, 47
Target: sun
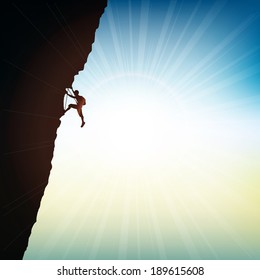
136, 119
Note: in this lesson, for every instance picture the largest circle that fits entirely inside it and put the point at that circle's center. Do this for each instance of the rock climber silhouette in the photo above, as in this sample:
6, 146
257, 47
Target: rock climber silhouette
80, 102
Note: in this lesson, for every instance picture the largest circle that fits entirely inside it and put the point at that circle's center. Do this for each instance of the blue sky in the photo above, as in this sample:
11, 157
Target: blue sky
208, 51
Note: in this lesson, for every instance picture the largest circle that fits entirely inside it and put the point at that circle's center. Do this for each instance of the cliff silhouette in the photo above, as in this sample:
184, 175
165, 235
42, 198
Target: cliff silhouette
44, 45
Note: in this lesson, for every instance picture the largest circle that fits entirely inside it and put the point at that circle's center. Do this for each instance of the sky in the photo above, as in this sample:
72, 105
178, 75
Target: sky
167, 164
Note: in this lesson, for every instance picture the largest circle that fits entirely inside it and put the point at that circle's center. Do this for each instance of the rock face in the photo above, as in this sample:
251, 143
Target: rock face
44, 45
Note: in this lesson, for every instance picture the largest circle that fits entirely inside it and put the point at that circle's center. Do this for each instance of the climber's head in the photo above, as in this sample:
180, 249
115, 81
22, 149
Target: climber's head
76, 92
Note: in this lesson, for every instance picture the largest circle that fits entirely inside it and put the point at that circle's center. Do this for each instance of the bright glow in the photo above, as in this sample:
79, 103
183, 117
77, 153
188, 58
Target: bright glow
134, 128
167, 165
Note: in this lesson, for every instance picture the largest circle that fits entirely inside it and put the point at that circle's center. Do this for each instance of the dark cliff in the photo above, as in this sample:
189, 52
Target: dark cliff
44, 45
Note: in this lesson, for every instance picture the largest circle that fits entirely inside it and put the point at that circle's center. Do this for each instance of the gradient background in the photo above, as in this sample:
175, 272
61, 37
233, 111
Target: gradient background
167, 165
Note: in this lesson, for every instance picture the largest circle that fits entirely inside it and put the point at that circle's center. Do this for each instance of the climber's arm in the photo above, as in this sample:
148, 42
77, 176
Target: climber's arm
70, 95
